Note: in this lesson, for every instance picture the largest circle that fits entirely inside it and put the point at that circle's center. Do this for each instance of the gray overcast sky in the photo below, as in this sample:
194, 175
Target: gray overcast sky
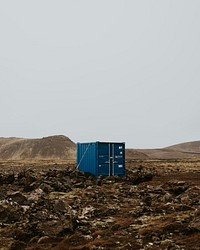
105, 70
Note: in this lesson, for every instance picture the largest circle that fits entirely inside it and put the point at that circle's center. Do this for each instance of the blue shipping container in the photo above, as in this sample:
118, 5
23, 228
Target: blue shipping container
101, 158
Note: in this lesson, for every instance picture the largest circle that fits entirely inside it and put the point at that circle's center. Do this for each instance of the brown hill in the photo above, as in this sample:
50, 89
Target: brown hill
135, 154
52, 147
178, 151
4, 141
62, 148
187, 147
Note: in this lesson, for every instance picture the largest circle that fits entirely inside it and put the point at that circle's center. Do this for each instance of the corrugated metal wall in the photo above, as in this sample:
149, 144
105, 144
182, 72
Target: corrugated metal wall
101, 158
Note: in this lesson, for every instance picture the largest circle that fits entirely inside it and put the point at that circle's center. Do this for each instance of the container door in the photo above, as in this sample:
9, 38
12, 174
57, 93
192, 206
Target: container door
104, 159
118, 154
111, 158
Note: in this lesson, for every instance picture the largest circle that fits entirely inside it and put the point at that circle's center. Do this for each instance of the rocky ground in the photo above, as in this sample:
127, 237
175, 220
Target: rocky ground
47, 205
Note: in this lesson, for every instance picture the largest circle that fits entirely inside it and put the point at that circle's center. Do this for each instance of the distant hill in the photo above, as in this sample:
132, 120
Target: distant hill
178, 151
52, 147
4, 141
135, 154
60, 147
187, 147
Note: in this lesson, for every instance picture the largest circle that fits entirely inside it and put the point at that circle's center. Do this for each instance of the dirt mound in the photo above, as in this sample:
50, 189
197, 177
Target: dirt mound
52, 147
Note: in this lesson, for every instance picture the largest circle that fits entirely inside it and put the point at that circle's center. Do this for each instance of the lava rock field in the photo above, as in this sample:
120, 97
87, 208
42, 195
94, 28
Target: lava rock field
48, 205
